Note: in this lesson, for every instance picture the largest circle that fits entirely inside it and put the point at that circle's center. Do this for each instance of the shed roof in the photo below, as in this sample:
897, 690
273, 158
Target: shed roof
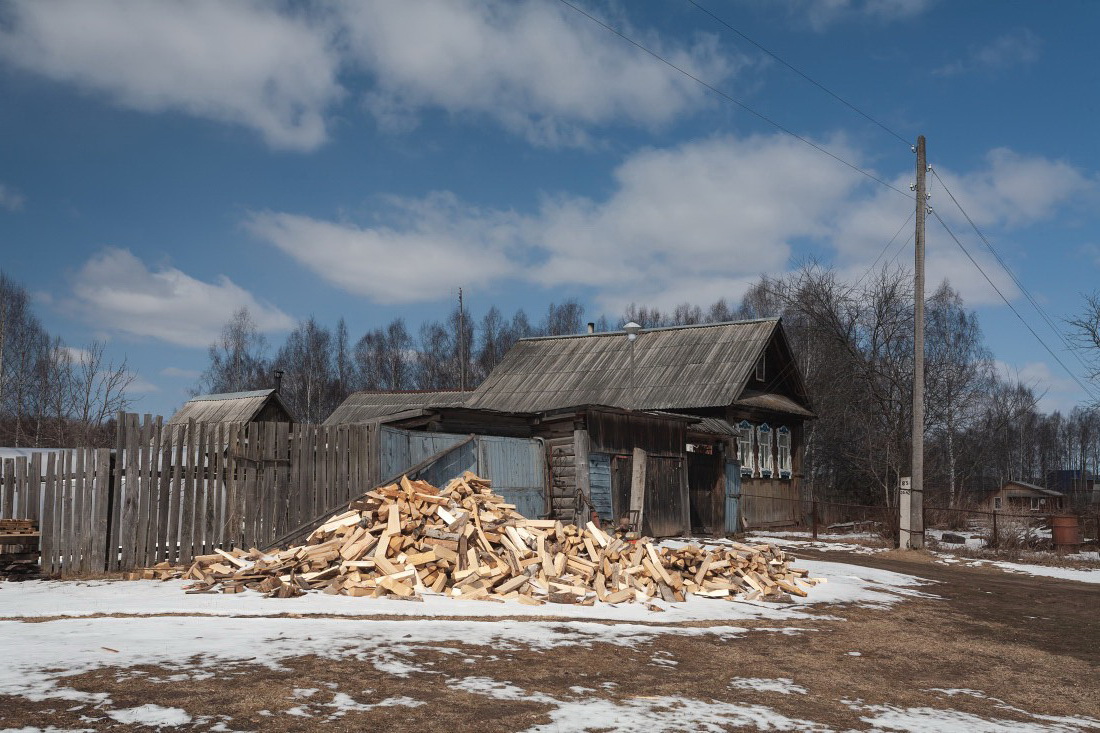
369, 405
673, 368
226, 407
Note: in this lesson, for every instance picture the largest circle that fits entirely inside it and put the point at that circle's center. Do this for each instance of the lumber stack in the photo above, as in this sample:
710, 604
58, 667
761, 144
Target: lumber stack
466, 542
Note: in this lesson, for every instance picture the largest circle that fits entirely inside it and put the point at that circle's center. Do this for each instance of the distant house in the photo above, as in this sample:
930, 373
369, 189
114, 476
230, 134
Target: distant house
261, 405
1018, 497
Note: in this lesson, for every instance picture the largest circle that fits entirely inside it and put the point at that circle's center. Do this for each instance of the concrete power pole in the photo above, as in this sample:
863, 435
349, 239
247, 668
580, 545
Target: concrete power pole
912, 501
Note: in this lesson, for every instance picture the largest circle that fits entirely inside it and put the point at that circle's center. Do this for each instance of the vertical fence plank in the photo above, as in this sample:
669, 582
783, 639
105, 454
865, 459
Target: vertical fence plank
232, 487
151, 486
146, 496
187, 494
114, 495
88, 537
34, 487
164, 476
65, 518
101, 480
20, 499
175, 495
7, 479
270, 505
279, 469
45, 524
210, 488
78, 564
324, 489
341, 465
255, 481
130, 494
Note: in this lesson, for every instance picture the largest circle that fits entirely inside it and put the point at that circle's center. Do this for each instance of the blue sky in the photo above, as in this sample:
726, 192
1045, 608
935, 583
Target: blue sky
162, 164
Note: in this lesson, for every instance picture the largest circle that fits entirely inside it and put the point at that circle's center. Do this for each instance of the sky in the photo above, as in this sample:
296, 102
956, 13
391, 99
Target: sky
163, 164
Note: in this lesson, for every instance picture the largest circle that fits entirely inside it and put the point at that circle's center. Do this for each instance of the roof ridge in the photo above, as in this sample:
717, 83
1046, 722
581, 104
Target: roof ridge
746, 322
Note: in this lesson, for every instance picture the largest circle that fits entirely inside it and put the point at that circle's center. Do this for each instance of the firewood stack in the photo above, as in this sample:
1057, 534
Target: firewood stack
466, 542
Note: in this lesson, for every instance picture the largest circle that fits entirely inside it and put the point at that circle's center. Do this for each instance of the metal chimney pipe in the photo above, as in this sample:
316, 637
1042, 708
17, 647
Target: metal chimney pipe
278, 380
591, 327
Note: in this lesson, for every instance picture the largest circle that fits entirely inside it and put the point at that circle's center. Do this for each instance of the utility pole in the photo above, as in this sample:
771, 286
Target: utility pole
912, 506
461, 342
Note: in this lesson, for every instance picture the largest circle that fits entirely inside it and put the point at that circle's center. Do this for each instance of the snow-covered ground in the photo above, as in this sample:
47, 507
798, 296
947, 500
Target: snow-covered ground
36, 599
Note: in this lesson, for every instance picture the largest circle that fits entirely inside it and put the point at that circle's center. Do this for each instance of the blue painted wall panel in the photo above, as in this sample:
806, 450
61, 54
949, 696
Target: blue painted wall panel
599, 482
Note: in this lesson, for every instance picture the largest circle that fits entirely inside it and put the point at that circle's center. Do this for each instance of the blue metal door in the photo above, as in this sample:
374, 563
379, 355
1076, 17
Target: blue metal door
733, 497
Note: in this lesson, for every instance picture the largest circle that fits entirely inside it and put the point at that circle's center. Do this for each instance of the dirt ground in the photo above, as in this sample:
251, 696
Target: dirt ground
1002, 647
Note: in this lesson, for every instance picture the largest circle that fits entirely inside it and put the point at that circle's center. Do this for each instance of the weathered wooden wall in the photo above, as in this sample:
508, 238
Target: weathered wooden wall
770, 502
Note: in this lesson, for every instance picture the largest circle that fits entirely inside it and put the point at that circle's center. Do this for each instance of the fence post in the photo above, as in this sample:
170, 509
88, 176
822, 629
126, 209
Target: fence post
995, 540
813, 517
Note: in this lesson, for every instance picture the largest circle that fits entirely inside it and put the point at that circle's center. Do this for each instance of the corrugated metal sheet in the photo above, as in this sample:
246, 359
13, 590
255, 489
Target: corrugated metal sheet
228, 407
516, 466
366, 406
674, 368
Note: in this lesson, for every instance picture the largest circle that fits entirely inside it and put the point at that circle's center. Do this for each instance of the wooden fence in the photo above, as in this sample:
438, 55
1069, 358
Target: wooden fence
173, 492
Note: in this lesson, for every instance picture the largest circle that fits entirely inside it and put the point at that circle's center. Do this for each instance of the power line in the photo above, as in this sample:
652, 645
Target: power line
729, 98
1004, 265
880, 254
816, 83
1011, 307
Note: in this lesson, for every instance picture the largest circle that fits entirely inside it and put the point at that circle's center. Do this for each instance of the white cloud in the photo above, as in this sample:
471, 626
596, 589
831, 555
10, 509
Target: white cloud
142, 386
246, 63
433, 245
820, 15
115, 291
177, 373
1058, 390
691, 223
537, 68
1016, 48
11, 199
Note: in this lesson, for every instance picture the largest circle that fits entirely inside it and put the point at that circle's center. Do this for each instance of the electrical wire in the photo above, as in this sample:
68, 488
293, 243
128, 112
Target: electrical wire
734, 100
816, 83
1004, 265
880, 254
1012, 307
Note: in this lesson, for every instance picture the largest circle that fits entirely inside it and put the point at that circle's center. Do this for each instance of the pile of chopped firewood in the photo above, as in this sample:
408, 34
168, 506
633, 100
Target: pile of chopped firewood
466, 542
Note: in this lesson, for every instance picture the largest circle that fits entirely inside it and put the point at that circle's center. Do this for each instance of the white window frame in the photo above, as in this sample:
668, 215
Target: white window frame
764, 445
745, 452
1035, 503
783, 449
761, 366
996, 503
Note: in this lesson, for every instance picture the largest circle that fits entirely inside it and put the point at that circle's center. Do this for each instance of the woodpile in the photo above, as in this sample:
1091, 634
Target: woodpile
19, 540
466, 542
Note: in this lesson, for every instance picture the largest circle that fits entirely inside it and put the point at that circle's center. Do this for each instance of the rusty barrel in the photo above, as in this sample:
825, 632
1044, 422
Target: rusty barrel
1065, 531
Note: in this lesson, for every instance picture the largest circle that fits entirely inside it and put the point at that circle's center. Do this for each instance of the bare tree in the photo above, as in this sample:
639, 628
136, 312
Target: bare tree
384, 358
99, 392
309, 367
238, 359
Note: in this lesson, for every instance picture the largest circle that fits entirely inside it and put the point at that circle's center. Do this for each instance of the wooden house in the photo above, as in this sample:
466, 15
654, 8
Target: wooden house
696, 426
1017, 497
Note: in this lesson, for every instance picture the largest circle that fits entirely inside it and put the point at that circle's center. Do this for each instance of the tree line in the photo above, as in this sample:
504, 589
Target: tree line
51, 394
853, 342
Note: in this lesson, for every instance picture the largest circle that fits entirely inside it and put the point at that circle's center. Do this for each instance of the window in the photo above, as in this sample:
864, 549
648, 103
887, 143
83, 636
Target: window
1035, 503
783, 448
744, 448
996, 503
764, 440
760, 369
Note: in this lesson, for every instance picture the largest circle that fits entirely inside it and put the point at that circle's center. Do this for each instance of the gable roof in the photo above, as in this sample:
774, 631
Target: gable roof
1027, 489
675, 368
368, 405
226, 407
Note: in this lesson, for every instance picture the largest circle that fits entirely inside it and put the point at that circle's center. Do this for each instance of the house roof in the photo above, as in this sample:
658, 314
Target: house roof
675, 368
1029, 489
226, 407
369, 405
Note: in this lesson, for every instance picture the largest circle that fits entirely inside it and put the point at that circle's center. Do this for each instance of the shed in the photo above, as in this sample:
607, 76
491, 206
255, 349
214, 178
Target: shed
261, 405
369, 405
1017, 496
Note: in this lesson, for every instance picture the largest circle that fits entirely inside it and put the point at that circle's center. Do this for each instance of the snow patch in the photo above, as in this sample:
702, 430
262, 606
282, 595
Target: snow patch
784, 685
152, 715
